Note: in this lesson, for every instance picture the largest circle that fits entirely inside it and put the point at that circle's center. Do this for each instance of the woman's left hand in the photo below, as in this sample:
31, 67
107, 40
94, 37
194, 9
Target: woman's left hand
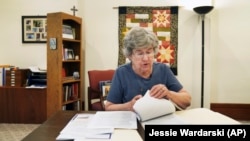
159, 91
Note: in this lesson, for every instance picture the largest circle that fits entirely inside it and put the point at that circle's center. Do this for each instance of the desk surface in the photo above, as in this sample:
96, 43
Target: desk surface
205, 116
51, 128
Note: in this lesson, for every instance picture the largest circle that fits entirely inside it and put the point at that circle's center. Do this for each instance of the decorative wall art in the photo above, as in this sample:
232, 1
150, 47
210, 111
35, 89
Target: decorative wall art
163, 21
34, 29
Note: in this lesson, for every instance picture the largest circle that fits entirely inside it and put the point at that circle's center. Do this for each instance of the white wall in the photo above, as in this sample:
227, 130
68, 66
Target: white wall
227, 70
12, 50
230, 52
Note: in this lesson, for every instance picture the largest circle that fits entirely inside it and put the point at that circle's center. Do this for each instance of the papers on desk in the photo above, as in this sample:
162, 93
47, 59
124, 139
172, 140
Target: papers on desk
36, 87
114, 119
36, 69
99, 126
77, 129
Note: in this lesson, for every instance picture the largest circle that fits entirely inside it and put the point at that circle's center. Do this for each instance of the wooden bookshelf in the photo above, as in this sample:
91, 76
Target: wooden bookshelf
60, 68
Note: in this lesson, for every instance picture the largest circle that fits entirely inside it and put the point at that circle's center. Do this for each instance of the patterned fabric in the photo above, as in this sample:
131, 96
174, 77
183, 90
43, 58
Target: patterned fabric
163, 21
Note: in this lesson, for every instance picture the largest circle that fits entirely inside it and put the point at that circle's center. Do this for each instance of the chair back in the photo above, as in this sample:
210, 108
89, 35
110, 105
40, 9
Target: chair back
94, 92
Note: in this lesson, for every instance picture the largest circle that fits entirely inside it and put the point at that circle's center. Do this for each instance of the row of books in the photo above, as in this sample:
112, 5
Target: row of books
70, 91
68, 32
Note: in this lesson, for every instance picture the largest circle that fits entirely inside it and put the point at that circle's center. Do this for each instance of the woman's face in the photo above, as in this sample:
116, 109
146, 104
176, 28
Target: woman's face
142, 60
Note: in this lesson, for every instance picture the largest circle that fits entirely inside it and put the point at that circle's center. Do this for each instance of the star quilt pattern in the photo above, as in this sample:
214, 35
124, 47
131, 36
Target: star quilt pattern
163, 21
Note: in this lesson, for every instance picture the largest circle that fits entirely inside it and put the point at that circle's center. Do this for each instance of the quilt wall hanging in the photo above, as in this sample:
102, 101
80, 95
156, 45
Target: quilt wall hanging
163, 21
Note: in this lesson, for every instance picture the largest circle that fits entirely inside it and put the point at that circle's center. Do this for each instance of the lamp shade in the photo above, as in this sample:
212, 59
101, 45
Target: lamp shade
203, 9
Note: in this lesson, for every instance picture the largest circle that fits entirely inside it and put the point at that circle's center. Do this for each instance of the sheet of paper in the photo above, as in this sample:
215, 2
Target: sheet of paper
114, 119
36, 69
77, 129
36, 87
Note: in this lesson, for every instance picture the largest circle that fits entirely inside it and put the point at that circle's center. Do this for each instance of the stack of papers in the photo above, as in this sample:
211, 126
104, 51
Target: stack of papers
36, 69
99, 126
114, 119
157, 107
77, 129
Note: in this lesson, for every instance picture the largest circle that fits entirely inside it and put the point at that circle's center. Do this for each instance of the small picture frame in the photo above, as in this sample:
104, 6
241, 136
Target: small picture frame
105, 90
52, 43
34, 29
70, 54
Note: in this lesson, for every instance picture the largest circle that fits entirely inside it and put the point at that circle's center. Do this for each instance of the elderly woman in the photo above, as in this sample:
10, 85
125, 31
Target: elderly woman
132, 80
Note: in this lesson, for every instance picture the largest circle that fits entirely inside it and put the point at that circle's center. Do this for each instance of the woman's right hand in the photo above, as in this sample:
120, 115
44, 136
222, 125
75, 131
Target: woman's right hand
132, 102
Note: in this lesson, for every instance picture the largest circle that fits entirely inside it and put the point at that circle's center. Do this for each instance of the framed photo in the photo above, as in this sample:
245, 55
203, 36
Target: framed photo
104, 87
70, 54
34, 29
52, 43
105, 90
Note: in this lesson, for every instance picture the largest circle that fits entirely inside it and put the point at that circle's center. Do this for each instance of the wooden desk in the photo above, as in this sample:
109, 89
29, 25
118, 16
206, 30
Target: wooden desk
205, 116
52, 127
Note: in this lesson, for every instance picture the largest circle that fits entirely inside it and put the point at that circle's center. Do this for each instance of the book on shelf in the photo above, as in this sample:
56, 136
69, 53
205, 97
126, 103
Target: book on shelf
2, 76
74, 33
68, 32
148, 107
74, 89
3, 69
63, 72
65, 93
70, 91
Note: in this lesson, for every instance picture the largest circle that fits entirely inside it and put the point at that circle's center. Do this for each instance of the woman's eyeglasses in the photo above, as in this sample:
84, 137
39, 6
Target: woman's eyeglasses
141, 54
